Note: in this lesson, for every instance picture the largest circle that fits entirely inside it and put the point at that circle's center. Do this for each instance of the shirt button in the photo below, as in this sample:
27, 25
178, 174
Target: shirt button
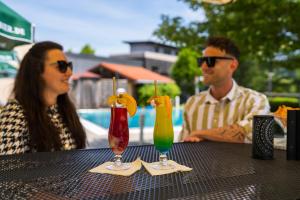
67, 146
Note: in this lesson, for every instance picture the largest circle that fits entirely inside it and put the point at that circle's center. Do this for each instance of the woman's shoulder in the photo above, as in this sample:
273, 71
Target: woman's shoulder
12, 107
13, 129
12, 101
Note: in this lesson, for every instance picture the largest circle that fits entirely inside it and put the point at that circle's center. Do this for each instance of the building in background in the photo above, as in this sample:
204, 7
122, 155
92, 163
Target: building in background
91, 89
84, 62
154, 56
147, 61
147, 54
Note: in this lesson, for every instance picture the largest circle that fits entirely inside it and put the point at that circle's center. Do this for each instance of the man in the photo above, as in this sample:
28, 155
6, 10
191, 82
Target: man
223, 113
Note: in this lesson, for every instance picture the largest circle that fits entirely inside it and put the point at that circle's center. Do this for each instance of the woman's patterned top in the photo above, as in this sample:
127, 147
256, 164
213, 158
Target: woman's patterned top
14, 134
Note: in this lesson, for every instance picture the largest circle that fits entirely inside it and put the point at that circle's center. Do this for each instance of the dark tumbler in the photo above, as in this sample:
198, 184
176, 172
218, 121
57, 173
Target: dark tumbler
293, 135
262, 137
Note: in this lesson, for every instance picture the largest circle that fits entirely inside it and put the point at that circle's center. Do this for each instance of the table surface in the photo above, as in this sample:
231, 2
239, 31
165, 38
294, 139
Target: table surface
220, 171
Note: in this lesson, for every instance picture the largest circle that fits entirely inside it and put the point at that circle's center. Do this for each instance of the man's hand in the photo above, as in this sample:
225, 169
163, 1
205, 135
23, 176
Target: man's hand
231, 133
193, 138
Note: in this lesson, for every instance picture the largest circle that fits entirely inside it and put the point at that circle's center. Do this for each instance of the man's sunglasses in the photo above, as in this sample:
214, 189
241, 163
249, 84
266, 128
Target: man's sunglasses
63, 65
211, 60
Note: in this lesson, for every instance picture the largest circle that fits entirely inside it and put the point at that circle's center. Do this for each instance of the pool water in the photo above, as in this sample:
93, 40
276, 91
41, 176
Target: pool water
101, 117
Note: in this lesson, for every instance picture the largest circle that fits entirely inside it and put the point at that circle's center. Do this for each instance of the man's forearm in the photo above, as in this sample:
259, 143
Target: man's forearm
232, 133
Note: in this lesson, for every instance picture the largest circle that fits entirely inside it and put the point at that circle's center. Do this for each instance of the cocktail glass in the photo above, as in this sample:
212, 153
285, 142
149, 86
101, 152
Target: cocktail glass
163, 131
118, 136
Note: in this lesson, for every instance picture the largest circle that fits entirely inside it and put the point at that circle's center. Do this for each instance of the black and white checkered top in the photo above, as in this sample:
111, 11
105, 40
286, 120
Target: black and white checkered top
14, 134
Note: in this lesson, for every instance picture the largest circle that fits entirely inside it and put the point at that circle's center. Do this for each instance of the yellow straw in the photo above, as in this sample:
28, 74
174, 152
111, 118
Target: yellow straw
155, 88
114, 90
114, 86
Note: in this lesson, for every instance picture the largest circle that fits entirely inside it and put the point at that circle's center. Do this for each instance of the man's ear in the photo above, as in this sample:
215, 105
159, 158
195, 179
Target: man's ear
234, 64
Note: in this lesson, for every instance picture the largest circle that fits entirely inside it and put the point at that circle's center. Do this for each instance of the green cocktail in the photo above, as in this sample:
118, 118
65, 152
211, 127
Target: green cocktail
163, 130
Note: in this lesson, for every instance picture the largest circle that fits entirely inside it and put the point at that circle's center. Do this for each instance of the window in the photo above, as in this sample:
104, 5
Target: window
154, 68
167, 51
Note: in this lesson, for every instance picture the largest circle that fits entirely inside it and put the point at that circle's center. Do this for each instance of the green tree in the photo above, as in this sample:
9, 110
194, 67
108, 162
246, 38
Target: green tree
145, 92
184, 71
266, 32
87, 49
70, 50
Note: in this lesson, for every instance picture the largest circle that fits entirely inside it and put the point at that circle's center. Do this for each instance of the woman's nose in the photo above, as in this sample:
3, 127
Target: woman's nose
69, 71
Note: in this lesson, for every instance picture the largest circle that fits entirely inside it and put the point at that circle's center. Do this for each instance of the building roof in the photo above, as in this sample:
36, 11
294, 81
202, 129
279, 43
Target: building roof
83, 62
135, 73
90, 75
148, 55
151, 43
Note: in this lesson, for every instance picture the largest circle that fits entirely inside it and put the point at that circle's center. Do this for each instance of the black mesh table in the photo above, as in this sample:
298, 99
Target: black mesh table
220, 171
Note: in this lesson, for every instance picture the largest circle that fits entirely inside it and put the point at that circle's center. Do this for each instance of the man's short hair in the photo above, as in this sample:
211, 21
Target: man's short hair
224, 44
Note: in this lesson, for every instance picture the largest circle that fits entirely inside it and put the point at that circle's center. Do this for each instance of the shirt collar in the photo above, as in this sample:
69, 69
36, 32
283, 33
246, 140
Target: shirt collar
229, 96
52, 109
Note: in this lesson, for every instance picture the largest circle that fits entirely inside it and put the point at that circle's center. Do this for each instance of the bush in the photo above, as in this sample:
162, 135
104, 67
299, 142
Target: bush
145, 92
275, 102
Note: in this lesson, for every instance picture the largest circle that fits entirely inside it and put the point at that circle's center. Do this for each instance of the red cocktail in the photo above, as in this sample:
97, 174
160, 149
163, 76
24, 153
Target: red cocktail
118, 134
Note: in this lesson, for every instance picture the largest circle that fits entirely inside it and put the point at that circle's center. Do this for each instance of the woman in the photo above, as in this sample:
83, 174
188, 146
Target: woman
41, 116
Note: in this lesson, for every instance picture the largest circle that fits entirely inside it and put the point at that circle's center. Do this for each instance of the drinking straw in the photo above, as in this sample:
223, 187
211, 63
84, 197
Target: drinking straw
114, 86
155, 88
114, 90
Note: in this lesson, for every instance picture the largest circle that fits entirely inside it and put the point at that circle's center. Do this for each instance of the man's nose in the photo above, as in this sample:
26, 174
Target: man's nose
204, 66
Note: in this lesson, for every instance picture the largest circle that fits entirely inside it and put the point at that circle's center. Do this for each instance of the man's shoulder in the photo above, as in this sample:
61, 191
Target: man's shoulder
249, 91
198, 96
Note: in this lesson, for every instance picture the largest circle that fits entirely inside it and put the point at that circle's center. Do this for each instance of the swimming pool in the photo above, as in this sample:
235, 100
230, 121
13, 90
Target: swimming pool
101, 117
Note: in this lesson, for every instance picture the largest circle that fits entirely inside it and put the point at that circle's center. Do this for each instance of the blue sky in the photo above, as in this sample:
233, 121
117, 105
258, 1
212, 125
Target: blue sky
104, 24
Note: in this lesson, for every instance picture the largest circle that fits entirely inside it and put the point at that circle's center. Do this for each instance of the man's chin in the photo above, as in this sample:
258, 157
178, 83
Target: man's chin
206, 82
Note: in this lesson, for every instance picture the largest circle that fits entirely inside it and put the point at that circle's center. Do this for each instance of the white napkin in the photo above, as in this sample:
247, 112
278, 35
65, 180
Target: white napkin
280, 143
134, 166
155, 172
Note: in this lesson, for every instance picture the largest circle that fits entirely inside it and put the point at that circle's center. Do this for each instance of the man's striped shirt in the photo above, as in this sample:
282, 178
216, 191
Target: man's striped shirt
203, 111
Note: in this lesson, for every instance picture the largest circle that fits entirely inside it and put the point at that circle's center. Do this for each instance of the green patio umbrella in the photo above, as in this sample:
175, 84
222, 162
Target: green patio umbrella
8, 62
14, 29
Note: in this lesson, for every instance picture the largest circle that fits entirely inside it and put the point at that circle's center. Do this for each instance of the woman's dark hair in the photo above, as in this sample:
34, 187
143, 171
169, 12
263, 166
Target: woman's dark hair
224, 44
28, 91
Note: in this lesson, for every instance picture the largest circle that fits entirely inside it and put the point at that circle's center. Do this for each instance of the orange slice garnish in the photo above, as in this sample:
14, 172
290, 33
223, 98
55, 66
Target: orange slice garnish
162, 101
282, 111
125, 100
112, 100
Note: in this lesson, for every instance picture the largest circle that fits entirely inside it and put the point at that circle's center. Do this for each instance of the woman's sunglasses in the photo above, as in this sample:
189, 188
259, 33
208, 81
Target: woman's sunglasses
211, 60
63, 65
